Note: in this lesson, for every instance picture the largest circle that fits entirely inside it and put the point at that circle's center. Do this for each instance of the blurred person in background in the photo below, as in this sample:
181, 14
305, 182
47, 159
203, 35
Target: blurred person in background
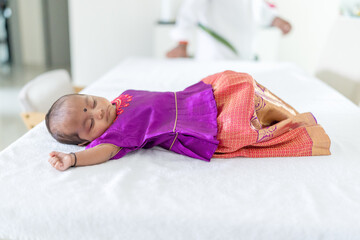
227, 28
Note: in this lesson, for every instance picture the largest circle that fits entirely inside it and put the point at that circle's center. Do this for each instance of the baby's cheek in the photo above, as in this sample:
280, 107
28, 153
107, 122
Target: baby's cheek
101, 130
98, 134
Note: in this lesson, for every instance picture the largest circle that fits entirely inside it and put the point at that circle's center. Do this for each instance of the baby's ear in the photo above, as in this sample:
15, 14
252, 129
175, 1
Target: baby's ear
84, 143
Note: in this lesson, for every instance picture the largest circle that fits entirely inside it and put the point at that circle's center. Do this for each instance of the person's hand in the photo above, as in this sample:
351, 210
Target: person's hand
180, 51
282, 24
60, 161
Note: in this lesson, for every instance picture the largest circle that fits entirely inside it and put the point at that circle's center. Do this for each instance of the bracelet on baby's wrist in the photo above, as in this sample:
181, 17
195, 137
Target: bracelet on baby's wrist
75, 159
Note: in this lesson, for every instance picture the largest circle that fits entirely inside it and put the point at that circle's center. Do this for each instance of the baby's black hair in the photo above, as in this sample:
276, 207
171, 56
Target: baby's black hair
54, 114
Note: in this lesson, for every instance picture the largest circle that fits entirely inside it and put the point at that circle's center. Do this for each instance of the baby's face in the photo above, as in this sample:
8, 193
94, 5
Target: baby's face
88, 116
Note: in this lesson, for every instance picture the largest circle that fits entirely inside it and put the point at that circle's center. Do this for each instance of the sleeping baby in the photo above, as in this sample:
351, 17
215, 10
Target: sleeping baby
225, 115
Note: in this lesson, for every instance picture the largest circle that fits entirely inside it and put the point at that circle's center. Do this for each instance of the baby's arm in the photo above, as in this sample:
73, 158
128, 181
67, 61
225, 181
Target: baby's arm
101, 153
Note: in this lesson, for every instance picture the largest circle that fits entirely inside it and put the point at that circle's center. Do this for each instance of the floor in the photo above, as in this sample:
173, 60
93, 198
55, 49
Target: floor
12, 79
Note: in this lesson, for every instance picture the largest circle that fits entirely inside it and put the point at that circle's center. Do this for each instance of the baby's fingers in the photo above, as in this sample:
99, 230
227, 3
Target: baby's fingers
53, 161
56, 160
54, 153
59, 165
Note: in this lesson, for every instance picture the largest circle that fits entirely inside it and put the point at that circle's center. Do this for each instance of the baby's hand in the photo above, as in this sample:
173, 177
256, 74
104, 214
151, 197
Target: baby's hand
60, 161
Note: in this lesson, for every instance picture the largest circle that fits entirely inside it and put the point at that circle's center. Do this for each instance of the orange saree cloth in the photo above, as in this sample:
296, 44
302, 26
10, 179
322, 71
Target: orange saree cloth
253, 122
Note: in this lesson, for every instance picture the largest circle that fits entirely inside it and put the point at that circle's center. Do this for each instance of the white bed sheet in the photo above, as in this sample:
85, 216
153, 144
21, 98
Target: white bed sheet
156, 194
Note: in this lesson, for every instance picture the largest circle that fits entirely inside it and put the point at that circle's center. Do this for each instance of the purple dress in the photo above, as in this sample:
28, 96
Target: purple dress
183, 122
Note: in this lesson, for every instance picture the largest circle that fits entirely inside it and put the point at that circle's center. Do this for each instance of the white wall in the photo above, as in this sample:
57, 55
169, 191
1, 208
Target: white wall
312, 21
102, 33
31, 32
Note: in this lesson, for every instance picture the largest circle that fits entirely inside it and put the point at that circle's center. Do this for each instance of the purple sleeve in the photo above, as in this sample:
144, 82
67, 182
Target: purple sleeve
113, 138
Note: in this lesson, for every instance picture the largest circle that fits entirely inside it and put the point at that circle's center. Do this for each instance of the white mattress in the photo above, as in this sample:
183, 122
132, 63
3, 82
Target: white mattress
156, 194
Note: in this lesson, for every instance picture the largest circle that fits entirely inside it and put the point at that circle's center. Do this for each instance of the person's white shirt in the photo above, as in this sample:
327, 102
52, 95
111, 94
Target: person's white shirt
236, 21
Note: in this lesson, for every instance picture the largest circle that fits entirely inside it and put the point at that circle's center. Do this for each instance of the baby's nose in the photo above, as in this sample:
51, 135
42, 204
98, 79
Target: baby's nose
99, 114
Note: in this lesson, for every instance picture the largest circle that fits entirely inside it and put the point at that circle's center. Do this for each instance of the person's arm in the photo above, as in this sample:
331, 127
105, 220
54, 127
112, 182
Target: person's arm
180, 51
62, 161
269, 17
282, 24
